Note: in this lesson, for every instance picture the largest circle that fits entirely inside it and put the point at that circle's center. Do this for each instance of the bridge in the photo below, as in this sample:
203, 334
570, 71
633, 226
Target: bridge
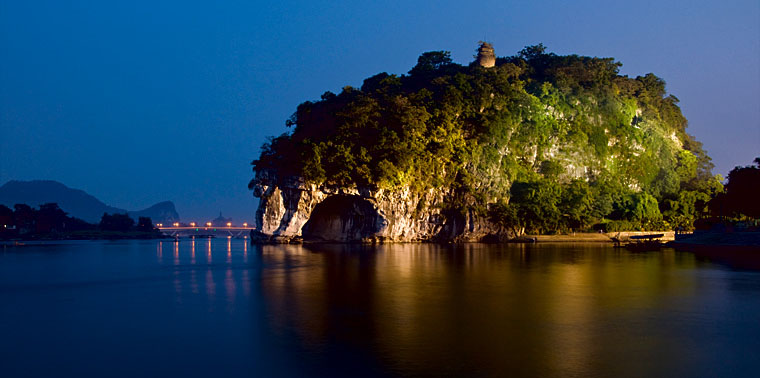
206, 231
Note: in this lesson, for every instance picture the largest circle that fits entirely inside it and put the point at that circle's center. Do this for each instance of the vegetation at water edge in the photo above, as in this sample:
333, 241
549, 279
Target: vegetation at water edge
49, 221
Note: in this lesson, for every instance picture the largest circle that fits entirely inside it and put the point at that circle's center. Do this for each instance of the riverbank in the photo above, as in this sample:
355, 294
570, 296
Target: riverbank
578, 237
596, 237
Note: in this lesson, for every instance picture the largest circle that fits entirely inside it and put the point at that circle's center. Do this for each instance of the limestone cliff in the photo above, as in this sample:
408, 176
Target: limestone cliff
292, 211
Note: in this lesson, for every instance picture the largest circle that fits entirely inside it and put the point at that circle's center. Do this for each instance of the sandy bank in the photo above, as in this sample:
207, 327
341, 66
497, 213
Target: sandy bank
595, 237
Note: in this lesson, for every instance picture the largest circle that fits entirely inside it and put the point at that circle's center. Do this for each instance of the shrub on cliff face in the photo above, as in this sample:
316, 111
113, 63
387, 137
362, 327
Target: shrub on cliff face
538, 119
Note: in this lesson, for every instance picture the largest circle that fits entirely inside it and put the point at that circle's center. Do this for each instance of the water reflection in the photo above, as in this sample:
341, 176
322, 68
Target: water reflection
229, 250
527, 310
195, 276
390, 310
208, 250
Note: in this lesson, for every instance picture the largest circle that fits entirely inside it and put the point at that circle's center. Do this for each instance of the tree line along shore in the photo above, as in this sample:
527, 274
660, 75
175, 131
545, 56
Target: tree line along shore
50, 222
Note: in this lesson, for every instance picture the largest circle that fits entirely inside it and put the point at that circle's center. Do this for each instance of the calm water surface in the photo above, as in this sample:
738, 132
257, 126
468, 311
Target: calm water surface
224, 308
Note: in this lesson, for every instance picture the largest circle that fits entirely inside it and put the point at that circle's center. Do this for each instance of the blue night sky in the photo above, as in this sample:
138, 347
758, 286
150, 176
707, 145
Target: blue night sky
141, 101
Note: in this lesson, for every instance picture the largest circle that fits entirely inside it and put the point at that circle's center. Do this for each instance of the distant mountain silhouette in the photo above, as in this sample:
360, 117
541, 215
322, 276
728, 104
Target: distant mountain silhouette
76, 202
160, 212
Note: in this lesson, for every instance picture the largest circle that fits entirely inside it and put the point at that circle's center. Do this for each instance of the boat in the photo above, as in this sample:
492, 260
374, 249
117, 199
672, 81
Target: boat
648, 242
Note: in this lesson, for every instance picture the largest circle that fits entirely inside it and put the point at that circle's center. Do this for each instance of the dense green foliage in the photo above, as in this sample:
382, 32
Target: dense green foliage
546, 142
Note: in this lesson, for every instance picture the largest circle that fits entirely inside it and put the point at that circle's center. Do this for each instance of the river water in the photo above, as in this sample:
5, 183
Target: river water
221, 307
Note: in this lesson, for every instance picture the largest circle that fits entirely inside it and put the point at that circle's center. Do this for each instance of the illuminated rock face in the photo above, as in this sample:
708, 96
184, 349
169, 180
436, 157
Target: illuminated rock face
293, 211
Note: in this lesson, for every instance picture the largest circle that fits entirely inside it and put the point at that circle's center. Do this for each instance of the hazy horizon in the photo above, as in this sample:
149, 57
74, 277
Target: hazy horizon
200, 219
137, 103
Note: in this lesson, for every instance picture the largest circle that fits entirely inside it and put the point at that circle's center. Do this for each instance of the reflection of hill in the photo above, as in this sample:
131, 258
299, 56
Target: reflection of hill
474, 308
77, 203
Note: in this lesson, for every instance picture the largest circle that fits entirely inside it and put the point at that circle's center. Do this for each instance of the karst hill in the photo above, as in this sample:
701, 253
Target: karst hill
534, 142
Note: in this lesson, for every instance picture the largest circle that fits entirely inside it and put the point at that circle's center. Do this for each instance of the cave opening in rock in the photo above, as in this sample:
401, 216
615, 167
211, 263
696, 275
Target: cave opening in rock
343, 218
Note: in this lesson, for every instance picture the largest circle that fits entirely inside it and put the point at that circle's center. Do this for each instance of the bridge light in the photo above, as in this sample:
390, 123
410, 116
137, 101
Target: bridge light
229, 224
176, 224
192, 224
245, 224
208, 224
